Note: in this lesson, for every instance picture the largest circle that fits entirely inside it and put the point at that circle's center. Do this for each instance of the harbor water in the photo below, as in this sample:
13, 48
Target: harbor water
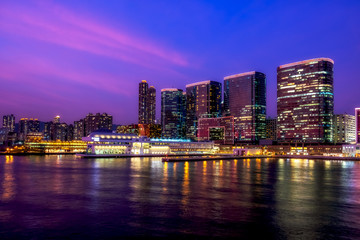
64, 197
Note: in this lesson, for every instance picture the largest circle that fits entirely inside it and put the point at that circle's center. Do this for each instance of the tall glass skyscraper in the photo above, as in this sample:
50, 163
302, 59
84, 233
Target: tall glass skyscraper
173, 113
203, 99
147, 103
245, 100
305, 101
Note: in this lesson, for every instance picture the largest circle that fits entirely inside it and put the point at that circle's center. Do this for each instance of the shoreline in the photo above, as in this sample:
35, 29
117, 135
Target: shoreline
193, 157
310, 157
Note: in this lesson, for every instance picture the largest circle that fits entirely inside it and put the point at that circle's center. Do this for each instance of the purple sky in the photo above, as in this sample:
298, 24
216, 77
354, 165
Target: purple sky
70, 58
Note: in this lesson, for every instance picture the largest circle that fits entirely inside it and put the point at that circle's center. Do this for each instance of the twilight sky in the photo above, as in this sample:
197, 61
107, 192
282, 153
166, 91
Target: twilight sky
74, 57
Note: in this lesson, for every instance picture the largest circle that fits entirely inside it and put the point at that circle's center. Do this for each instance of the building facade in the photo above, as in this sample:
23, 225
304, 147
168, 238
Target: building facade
305, 101
143, 93
9, 122
94, 122
147, 103
151, 105
173, 113
220, 130
203, 99
357, 124
144, 130
56, 119
28, 125
113, 144
245, 100
271, 129
344, 128
79, 129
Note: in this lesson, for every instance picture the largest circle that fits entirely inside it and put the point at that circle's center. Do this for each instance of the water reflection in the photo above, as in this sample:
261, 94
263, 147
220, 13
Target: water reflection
8, 181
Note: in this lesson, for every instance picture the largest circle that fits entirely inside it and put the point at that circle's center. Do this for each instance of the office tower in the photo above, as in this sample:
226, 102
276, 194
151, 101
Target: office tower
271, 129
151, 105
94, 122
357, 124
56, 119
9, 122
79, 129
173, 113
147, 103
220, 130
203, 99
344, 128
305, 101
245, 100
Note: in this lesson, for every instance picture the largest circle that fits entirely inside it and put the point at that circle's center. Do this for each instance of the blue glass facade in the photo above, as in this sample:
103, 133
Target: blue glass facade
173, 113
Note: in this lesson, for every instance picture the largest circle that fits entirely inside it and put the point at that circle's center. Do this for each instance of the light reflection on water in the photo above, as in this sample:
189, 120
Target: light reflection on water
57, 196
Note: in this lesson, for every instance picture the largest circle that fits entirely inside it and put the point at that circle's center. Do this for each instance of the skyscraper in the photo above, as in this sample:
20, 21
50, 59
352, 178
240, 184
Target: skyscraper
147, 103
9, 122
344, 128
203, 99
151, 105
173, 112
245, 100
305, 101
143, 93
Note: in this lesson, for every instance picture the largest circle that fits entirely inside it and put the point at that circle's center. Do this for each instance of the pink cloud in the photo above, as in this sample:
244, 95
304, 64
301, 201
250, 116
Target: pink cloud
35, 72
55, 24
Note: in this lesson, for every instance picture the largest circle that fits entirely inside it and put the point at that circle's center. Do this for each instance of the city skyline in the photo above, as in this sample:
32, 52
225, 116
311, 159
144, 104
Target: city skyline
51, 65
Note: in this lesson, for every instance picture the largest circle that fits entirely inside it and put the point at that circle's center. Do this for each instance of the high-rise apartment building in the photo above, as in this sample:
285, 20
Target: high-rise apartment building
151, 105
344, 128
305, 101
245, 100
9, 122
203, 99
28, 125
56, 119
147, 103
143, 96
59, 131
173, 113
55, 130
79, 129
94, 122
